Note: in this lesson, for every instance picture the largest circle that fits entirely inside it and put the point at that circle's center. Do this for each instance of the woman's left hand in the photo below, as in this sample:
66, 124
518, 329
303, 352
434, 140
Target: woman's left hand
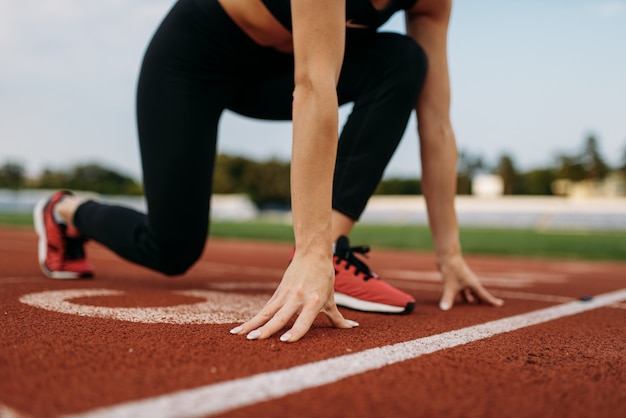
458, 278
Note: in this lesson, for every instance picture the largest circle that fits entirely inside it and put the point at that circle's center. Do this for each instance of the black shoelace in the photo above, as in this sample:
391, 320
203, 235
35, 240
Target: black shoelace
74, 248
351, 259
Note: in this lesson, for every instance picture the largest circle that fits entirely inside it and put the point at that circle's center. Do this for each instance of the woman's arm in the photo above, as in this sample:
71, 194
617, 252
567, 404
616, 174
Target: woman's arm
318, 38
307, 286
427, 23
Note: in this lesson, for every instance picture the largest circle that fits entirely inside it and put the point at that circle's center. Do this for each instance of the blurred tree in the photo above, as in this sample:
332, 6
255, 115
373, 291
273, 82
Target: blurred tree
12, 176
507, 172
90, 177
570, 168
229, 172
399, 186
622, 168
467, 166
538, 181
268, 184
592, 161
51, 179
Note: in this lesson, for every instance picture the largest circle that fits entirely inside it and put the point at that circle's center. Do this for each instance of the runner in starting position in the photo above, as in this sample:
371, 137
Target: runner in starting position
280, 60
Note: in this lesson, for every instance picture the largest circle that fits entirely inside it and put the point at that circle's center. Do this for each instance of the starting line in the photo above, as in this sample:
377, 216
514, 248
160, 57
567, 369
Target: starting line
221, 397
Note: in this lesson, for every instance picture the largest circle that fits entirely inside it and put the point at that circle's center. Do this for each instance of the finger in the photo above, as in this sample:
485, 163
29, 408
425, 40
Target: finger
336, 318
258, 320
278, 321
302, 324
486, 297
447, 299
468, 296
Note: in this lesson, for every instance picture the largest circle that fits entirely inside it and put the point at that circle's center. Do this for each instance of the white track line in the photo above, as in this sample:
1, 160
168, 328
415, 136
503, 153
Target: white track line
6, 412
505, 294
225, 396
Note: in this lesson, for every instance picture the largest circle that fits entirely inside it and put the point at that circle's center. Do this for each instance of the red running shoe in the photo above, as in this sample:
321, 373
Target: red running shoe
61, 248
356, 287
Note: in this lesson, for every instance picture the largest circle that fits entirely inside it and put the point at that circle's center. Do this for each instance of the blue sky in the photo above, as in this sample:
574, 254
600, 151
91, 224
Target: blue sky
529, 78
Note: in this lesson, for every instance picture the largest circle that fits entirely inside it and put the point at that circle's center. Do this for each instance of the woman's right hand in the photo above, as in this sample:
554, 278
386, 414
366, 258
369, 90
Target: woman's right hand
305, 290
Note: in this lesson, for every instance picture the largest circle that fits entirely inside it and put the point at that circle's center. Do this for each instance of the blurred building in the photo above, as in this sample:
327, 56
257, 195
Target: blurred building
613, 185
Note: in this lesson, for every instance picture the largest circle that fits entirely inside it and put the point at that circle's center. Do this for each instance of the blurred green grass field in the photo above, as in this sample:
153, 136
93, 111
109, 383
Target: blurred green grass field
583, 245
587, 245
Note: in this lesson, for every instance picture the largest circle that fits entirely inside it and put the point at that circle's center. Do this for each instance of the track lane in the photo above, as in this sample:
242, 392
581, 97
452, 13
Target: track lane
54, 364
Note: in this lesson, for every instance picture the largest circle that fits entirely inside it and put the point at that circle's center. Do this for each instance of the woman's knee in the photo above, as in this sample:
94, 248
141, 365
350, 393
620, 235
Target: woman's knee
404, 60
178, 257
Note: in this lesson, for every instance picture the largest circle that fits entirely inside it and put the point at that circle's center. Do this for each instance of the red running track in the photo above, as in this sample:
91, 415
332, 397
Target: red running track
133, 343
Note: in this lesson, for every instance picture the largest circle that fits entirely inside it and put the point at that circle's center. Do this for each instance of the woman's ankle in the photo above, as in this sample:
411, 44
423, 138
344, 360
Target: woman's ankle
65, 209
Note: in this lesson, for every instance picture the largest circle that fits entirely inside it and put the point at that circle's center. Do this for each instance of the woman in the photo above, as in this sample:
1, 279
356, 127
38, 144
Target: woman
281, 59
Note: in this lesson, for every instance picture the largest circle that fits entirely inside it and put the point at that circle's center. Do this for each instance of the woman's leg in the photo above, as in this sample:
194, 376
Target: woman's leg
383, 76
180, 98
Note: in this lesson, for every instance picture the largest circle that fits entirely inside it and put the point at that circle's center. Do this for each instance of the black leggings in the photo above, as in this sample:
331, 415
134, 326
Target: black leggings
200, 63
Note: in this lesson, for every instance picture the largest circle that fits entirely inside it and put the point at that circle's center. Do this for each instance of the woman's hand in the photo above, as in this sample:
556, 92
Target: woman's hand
305, 290
318, 28
458, 278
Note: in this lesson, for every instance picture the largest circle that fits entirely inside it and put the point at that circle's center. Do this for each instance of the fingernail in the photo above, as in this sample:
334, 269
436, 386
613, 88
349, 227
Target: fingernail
285, 337
353, 323
253, 335
500, 302
444, 306
236, 330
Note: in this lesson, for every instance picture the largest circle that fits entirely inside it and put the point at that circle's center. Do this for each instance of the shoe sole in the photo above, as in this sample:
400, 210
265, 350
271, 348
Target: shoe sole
346, 301
42, 248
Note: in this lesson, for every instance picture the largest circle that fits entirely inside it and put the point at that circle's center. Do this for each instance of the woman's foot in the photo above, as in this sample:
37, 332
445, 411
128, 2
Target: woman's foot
357, 287
61, 246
